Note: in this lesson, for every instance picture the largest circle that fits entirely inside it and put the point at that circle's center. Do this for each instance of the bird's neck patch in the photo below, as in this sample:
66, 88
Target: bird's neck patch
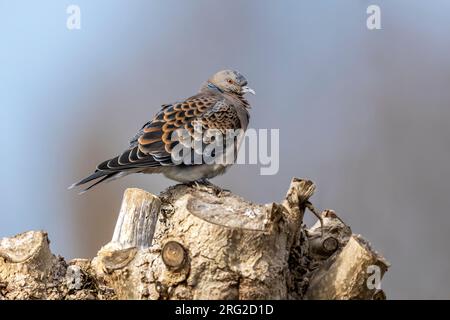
214, 87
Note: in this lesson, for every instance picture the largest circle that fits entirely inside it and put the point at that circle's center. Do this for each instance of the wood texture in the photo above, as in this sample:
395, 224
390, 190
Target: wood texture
202, 243
137, 219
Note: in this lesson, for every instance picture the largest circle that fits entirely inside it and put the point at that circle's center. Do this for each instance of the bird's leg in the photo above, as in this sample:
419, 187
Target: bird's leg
196, 183
201, 184
205, 182
218, 190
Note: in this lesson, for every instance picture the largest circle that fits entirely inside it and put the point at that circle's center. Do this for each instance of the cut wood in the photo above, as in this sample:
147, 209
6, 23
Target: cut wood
202, 243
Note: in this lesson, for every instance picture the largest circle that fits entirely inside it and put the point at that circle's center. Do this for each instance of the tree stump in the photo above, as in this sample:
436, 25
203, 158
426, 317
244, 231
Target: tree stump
203, 243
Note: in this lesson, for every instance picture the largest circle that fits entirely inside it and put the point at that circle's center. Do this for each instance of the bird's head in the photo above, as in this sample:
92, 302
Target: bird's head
230, 81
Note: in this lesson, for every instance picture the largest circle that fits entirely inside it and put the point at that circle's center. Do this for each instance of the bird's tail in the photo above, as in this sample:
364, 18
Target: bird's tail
130, 161
100, 176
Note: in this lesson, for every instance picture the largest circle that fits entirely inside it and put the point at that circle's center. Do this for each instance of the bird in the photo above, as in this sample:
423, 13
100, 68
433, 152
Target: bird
219, 105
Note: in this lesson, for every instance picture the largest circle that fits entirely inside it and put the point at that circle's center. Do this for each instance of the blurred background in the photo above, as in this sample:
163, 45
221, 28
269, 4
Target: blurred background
363, 113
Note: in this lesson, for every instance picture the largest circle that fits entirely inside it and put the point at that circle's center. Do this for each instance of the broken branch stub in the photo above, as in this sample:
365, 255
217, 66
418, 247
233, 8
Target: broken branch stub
137, 219
347, 274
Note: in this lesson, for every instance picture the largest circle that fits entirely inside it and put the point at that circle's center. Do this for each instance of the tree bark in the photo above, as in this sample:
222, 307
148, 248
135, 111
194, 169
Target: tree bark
203, 243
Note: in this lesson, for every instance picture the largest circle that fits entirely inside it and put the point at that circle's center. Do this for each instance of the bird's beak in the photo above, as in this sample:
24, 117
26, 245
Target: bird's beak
246, 89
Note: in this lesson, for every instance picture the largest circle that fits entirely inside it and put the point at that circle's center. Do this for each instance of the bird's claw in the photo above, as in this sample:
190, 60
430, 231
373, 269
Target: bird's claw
205, 185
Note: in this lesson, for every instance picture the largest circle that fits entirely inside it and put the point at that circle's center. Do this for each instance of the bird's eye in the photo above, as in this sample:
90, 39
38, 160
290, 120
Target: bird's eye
230, 81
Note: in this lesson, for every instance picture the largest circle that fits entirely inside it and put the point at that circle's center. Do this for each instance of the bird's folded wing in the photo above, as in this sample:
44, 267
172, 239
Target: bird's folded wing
153, 144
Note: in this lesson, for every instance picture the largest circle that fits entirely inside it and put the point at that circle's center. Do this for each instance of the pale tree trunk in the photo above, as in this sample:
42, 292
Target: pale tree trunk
202, 243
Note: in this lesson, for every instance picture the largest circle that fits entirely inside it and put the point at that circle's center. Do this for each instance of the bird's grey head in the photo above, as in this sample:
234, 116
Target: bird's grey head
230, 81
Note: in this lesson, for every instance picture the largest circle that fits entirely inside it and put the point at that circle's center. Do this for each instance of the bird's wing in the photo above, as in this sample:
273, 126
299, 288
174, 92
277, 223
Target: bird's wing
221, 116
152, 145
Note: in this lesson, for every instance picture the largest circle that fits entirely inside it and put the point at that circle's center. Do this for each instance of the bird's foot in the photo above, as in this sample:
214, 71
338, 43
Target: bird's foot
207, 186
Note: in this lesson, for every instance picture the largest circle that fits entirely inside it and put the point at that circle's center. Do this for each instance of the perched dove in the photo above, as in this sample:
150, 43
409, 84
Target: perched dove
219, 105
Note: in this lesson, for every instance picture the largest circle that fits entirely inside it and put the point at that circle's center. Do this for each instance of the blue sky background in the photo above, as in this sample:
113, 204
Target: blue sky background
365, 114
